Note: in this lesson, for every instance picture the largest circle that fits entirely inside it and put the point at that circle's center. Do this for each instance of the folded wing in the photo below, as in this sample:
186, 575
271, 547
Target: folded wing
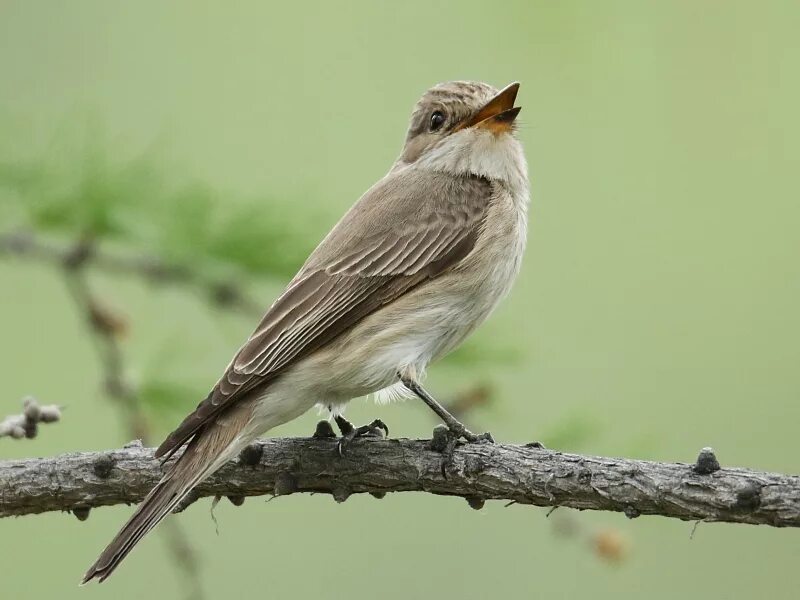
408, 229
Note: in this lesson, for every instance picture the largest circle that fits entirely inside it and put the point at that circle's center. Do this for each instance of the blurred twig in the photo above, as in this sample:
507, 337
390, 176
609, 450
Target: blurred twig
470, 399
476, 472
106, 327
608, 543
27, 245
26, 424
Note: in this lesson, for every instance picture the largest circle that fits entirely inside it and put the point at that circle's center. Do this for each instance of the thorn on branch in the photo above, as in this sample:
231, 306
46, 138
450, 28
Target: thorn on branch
103, 466
694, 528
340, 493
211, 510
631, 511
81, 512
251, 455
26, 425
475, 502
706, 463
324, 430
440, 439
748, 498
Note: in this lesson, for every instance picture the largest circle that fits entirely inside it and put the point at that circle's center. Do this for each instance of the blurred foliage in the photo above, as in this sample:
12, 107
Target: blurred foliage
84, 192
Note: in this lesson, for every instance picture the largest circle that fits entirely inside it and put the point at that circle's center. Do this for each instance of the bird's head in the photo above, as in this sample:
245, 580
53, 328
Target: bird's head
465, 127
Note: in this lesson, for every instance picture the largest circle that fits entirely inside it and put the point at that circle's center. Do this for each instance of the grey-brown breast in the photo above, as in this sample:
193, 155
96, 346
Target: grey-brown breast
409, 228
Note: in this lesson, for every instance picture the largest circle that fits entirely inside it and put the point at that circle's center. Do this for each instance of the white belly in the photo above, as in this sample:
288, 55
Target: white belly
430, 321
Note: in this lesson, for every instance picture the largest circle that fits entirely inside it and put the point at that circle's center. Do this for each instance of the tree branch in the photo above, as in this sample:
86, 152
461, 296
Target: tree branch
477, 472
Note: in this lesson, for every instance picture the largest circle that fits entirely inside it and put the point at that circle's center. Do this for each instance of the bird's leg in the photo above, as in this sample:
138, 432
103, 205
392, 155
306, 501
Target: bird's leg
454, 425
345, 426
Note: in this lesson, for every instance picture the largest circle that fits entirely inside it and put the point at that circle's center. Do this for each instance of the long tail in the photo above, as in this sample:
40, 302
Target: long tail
206, 453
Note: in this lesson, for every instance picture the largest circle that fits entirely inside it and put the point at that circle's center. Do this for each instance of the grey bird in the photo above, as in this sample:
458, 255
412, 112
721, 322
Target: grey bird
410, 271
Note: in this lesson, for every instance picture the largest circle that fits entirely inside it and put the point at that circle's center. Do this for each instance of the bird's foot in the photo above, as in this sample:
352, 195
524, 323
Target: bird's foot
458, 431
446, 439
349, 432
455, 426
479, 438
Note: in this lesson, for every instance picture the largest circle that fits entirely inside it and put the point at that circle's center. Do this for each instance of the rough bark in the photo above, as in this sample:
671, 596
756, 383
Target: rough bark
477, 472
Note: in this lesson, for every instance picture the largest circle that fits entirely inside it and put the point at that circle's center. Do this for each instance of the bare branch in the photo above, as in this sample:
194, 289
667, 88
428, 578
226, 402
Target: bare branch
476, 472
26, 425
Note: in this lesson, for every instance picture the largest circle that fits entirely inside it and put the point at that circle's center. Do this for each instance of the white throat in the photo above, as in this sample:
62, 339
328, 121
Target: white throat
475, 151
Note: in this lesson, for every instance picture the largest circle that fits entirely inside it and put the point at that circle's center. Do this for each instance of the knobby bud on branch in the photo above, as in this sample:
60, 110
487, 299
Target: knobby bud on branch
26, 425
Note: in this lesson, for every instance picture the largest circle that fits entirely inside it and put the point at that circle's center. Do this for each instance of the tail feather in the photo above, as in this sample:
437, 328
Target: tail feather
157, 505
208, 451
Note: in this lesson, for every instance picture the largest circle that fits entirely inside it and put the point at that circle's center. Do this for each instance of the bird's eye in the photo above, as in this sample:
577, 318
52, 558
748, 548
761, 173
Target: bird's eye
437, 120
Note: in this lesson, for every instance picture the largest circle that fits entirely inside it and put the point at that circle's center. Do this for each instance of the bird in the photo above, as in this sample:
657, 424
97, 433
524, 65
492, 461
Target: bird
415, 265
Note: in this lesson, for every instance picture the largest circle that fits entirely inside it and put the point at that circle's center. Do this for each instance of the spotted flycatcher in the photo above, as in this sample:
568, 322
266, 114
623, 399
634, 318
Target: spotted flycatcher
409, 272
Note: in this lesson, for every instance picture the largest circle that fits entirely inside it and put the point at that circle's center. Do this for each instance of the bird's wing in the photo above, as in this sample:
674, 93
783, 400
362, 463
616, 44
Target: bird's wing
408, 229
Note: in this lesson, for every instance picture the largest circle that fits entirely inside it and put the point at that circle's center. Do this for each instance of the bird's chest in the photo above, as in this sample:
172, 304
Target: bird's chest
435, 318
486, 276
490, 270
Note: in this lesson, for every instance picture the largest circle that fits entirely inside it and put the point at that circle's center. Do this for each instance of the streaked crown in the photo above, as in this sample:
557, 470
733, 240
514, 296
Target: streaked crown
457, 100
450, 107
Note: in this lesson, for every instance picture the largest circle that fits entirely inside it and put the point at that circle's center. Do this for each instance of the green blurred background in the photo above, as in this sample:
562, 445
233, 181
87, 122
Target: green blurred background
656, 313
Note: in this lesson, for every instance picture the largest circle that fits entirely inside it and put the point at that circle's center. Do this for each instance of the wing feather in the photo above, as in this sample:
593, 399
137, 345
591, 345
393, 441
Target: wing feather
406, 230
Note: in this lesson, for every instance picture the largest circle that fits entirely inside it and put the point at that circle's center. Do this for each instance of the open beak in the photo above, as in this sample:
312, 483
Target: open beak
498, 114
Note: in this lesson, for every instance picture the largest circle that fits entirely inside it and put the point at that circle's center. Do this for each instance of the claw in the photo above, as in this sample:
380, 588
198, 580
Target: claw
345, 426
378, 424
349, 433
473, 438
483, 437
